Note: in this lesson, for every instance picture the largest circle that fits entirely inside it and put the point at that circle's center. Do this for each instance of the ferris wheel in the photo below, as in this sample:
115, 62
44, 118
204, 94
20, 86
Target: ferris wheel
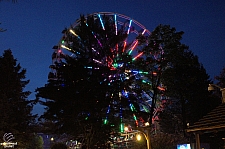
110, 41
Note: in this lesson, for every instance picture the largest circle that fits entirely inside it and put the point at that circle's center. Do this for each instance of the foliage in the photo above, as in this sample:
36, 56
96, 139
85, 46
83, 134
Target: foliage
170, 119
15, 108
184, 78
167, 141
36, 142
163, 43
59, 146
221, 78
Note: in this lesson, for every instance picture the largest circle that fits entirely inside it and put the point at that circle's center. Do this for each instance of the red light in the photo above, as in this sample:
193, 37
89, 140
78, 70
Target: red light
154, 73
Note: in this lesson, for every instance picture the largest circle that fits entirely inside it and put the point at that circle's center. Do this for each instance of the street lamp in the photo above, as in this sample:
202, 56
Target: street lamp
143, 130
146, 137
211, 88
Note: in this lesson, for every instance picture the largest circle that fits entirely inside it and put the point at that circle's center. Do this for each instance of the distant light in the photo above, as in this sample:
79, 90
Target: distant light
147, 124
154, 73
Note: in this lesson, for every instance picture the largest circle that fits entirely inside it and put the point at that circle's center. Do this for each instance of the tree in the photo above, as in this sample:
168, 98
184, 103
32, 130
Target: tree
183, 76
36, 142
187, 83
15, 108
167, 141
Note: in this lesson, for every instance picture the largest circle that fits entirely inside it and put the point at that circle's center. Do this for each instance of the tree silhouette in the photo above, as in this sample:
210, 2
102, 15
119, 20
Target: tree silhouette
16, 116
183, 76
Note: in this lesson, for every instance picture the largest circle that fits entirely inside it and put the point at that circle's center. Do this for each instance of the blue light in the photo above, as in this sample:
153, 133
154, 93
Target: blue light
115, 23
128, 31
101, 21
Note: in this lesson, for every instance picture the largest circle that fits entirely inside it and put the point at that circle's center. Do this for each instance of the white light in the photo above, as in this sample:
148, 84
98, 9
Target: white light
71, 31
65, 47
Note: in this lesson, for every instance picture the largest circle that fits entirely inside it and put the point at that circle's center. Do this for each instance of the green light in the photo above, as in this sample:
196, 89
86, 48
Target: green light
130, 52
144, 72
131, 108
115, 65
105, 121
135, 118
121, 127
63, 41
144, 81
146, 110
86, 118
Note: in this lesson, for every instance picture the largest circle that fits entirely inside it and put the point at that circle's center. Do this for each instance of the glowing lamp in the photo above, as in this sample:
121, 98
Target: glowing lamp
138, 137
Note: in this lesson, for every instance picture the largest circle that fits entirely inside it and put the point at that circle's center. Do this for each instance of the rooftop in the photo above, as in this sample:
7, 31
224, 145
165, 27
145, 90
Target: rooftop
213, 121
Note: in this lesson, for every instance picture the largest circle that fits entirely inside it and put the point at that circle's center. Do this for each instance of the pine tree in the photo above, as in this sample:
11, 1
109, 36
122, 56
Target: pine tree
185, 80
15, 108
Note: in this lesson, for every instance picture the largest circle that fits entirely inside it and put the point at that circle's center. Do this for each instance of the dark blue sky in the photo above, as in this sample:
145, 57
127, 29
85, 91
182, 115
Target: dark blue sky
34, 27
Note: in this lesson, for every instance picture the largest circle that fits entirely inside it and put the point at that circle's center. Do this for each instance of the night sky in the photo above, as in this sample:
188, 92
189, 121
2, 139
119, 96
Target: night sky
35, 26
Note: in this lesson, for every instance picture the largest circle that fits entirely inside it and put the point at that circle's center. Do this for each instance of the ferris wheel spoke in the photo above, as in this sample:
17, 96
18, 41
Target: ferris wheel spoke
101, 21
140, 54
65, 47
128, 31
71, 31
134, 44
115, 23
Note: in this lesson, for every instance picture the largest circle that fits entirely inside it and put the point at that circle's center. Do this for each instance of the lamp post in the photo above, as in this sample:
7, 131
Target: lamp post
147, 137
143, 130
211, 88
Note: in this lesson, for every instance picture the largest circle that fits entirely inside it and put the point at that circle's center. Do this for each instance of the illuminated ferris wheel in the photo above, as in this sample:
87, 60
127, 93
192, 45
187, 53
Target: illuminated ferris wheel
108, 41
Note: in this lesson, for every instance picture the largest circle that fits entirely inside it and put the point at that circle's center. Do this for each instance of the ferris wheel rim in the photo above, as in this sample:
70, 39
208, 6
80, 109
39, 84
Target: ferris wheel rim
114, 13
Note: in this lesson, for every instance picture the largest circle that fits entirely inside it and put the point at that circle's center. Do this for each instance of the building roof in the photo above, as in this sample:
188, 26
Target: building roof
213, 121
